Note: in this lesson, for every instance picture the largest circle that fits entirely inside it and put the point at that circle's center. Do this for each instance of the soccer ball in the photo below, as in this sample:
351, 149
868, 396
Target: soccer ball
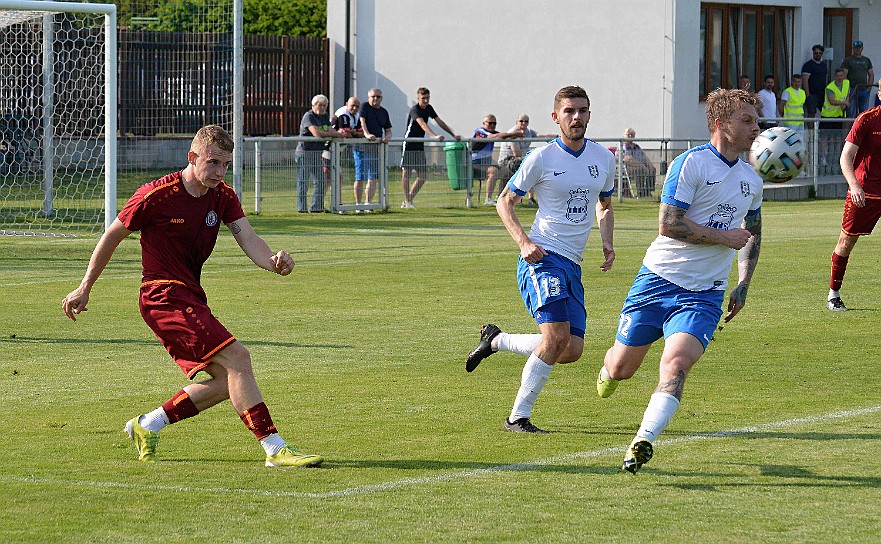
778, 154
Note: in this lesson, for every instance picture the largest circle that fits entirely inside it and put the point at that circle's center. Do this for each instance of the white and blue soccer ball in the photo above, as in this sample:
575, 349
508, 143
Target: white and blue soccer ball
778, 154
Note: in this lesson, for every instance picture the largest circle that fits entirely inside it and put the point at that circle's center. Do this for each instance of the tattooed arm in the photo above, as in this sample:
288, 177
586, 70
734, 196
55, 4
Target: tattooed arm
747, 259
674, 224
258, 250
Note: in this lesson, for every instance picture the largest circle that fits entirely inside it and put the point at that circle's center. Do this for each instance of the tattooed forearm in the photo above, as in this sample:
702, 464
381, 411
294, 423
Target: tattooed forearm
674, 225
673, 387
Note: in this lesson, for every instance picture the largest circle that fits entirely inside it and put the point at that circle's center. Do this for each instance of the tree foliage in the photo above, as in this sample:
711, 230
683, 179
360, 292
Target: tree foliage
286, 17
268, 17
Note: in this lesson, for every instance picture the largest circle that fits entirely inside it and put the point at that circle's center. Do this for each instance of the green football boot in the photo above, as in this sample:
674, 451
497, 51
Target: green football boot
290, 457
145, 441
605, 388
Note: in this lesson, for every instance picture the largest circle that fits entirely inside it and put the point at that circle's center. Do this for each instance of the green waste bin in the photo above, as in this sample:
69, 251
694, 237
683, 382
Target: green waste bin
456, 165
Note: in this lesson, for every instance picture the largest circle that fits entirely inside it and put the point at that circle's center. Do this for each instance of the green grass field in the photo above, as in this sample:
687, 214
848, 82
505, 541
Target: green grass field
360, 357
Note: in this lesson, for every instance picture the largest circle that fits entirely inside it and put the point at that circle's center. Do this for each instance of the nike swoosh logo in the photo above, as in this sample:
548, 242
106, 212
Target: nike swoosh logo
559, 173
713, 182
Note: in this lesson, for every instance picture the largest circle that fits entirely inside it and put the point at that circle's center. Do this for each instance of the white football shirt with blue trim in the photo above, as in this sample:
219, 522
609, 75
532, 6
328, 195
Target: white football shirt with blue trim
715, 193
567, 185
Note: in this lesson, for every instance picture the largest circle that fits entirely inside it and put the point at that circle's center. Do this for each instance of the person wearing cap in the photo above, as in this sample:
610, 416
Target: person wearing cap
859, 71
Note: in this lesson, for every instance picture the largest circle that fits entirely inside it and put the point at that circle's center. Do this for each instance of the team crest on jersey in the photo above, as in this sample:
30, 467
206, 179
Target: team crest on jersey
594, 170
744, 188
211, 218
576, 207
722, 218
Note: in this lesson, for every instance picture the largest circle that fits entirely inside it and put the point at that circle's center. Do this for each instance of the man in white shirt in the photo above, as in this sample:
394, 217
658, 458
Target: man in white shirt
710, 207
769, 103
572, 178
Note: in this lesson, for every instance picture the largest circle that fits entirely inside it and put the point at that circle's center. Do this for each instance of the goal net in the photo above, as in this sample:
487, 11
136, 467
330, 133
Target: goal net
57, 117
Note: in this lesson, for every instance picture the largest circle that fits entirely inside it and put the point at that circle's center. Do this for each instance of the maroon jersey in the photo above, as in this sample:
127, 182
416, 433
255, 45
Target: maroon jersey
866, 134
178, 230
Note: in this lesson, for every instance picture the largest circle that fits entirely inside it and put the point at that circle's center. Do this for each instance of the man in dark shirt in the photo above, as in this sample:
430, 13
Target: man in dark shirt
377, 128
414, 152
814, 78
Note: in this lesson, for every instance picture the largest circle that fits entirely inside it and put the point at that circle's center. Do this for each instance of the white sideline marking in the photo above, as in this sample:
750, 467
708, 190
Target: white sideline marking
397, 484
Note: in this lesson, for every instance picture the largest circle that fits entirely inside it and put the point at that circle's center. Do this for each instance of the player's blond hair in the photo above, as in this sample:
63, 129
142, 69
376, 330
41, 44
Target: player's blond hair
722, 103
212, 135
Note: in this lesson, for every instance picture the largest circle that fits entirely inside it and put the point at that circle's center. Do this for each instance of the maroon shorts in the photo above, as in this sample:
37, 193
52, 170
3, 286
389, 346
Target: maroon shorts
183, 322
860, 221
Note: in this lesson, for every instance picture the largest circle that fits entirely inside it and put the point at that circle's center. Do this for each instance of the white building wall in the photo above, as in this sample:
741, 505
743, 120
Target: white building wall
637, 59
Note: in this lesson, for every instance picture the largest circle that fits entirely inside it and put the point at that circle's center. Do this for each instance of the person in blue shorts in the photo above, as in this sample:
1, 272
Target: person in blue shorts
573, 179
377, 129
710, 208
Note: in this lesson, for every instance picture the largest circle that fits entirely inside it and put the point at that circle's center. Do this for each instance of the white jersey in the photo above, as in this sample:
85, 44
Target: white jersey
567, 185
715, 193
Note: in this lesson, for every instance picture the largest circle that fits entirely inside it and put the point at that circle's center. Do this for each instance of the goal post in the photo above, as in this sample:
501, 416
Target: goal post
58, 97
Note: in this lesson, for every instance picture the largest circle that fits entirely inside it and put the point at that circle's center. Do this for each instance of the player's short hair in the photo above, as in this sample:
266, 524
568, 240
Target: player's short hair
722, 103
320, 98
422, 91
571, 91
212, 135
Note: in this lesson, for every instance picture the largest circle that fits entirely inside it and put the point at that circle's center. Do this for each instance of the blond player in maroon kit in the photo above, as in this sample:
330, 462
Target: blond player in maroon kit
861, 167
179, 217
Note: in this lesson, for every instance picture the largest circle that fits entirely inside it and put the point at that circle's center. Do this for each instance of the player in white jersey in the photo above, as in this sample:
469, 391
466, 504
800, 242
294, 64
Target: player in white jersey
572, 179
710, 207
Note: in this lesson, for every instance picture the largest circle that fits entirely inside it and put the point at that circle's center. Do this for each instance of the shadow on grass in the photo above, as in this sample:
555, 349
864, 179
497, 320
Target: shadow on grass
130, 341
797, 476
423, 464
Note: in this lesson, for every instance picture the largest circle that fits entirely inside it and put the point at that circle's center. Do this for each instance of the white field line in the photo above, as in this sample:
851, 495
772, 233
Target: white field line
397, 484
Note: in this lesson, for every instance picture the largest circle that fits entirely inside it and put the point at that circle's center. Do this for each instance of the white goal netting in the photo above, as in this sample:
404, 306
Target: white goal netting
52, 122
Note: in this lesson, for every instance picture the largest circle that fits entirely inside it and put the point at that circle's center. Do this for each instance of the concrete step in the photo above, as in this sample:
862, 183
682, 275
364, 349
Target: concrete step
801, 188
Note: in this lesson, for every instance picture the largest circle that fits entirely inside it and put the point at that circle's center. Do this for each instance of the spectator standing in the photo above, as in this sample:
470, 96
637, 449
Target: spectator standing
768, 104
814, 78
482, 154
344, 120
310, 163
862, 205
835, 106
377, 128
861, 75
745, 83
179, 217
414, 152
792, 104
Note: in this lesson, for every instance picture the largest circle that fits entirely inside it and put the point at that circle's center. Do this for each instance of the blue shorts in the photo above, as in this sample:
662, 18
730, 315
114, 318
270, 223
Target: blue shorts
552, 291
655, 307
366, 164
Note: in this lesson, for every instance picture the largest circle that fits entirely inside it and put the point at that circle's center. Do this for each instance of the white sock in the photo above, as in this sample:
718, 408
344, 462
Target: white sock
272, 443
657, 415
834, 294
154, 421
524, 344
605, 373
535, 375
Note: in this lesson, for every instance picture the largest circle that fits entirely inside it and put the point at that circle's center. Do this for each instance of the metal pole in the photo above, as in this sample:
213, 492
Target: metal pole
258, 176
110, 122
48, 113
238, 96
